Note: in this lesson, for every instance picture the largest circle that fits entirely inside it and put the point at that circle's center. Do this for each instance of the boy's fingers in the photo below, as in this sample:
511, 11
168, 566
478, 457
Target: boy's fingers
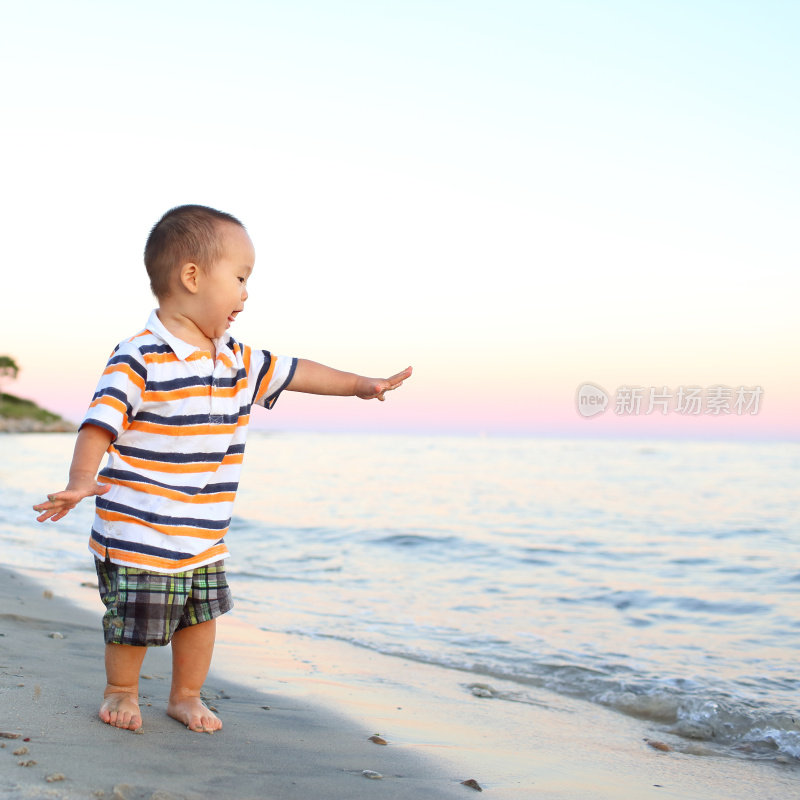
401, 376
398, 379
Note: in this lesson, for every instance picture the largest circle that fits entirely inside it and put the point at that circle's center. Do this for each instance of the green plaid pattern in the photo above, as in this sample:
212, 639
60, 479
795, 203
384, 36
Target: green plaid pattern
146, 608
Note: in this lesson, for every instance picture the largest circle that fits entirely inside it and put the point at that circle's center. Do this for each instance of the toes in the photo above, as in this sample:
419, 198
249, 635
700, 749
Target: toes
114, 713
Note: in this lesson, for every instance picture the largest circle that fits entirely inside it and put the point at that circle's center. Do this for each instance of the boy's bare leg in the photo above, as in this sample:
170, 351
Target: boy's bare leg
192, 649
120, 706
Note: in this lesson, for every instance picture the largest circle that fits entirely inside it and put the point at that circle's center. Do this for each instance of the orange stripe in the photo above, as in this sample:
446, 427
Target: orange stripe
112, 402
146, 561
267, 379
176, 394
193, 391
160, 358
167, 530
171, 358
164, 466
134, 376
182, 430
173, 494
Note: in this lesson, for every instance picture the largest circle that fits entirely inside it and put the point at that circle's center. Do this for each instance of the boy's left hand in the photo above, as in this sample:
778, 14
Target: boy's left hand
371, 388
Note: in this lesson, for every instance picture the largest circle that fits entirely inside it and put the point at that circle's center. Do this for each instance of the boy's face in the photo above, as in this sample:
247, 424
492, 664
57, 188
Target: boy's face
223, 289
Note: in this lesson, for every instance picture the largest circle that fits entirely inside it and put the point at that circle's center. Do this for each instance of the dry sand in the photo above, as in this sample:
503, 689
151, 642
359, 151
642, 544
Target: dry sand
49, 692
286, 736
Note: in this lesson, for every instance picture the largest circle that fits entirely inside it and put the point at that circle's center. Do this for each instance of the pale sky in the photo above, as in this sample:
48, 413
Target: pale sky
514, 197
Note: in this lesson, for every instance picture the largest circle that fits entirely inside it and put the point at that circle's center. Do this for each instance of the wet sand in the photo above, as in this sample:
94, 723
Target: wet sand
298, 716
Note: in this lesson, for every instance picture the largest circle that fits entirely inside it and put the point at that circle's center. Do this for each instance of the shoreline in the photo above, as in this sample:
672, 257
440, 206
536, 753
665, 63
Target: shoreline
325, 699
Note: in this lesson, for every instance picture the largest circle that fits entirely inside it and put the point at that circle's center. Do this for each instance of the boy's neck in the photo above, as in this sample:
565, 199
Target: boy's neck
184, 328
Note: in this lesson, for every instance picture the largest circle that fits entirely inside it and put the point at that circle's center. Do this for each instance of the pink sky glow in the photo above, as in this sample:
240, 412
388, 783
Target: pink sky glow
415, 409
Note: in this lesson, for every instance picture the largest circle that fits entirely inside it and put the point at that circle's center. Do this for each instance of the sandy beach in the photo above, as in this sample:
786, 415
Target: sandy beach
298, 719
272, 746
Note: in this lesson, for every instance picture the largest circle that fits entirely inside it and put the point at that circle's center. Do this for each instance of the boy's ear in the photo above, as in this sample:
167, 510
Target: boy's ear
189, 276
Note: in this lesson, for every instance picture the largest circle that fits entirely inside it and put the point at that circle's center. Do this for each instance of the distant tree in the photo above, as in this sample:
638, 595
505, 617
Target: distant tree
8, 369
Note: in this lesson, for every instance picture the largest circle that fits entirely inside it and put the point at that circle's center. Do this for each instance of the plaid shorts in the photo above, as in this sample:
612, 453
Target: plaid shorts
146, 608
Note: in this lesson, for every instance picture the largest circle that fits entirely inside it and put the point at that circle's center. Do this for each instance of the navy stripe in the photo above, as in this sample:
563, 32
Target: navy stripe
99, 424
169, 458
155, 348
262, 374
138, 368
134, 477
273, 398
189, 419
177, 383
144, 549
117, 394
196, 380
163, 519
229, 382
111, 391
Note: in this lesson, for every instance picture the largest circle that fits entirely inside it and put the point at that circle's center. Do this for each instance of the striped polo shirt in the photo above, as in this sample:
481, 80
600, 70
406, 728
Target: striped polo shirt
179, 421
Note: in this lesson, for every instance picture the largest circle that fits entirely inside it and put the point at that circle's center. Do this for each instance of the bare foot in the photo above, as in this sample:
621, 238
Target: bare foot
194, 714
121, 709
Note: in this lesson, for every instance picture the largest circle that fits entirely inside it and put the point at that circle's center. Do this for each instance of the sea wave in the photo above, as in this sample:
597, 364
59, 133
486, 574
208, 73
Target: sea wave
700, 719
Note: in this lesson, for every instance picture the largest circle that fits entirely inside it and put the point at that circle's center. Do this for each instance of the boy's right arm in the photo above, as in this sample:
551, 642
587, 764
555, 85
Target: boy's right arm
92, 442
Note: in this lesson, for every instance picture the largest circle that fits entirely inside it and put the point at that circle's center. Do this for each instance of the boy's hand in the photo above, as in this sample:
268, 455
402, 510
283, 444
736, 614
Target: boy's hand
58, 505
90, 445
370, 388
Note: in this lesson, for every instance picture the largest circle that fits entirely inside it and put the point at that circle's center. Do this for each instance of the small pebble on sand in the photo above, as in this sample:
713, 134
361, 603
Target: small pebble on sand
371, 774
56, 635
473, 784
656, 745
378, 739
4, 735
20, 751
29, 763
56, 776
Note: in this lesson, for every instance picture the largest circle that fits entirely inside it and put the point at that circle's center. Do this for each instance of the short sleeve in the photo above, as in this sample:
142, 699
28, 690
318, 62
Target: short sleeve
119, 391
273, 375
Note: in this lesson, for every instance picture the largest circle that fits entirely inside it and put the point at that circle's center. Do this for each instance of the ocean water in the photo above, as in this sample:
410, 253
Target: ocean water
659, 579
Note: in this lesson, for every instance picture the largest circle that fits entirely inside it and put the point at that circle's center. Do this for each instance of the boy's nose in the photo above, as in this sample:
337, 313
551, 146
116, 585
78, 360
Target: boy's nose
245, 293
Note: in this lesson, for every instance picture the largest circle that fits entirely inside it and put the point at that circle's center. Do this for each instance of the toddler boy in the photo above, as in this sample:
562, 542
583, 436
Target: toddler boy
171, 410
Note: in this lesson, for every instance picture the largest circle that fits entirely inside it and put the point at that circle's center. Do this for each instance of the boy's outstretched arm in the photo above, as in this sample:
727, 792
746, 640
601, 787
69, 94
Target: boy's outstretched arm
316, 378
92, 442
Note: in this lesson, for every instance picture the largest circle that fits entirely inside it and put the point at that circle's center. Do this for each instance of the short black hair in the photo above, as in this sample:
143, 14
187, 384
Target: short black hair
184, 234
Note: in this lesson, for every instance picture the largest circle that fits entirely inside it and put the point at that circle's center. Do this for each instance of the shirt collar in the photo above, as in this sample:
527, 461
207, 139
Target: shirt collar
181, 349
